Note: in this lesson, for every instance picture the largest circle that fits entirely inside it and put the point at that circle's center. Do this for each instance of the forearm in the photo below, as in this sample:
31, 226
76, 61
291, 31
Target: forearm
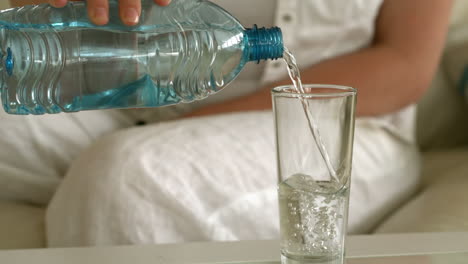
392, 73
385, 80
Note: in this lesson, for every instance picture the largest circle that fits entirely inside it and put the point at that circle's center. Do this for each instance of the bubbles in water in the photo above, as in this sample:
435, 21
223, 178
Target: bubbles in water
310, 216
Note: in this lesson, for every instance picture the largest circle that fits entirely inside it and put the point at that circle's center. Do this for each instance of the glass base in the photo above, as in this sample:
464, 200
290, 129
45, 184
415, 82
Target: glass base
290, 259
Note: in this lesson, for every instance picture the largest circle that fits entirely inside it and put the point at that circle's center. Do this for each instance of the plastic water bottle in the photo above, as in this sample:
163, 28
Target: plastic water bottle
55, 60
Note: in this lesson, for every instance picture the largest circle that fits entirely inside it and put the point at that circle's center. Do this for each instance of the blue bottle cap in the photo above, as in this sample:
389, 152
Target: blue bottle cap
265, 43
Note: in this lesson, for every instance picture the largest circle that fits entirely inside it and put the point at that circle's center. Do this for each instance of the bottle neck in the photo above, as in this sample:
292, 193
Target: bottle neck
264, 43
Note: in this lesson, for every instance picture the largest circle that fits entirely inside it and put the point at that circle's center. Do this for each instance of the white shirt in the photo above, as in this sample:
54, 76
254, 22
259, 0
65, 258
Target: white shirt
314, 30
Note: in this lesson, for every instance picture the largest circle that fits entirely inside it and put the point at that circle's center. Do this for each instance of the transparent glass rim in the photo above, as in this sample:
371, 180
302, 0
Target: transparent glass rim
338, 91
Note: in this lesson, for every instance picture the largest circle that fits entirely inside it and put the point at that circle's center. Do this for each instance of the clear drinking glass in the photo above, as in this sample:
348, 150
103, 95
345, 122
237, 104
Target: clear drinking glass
314, 154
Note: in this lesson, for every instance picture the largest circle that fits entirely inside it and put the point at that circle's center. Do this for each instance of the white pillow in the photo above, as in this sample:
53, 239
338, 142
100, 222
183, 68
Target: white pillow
36, 151
443, 113
459, 13
441, 205
21, 226
456, 55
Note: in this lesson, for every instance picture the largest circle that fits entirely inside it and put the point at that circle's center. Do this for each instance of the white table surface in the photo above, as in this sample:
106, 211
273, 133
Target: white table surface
265, 252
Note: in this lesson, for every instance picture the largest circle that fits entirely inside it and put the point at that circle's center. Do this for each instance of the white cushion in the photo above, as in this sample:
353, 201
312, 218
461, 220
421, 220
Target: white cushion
441, 206
443, 112
459, 13
21, 226
437, 165
36, 151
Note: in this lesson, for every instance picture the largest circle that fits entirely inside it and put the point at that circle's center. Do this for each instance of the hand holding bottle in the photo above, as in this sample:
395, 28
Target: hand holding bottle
98, 10
176, 54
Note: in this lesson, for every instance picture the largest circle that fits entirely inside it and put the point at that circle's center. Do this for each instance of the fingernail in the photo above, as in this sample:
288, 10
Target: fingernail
99, 15
131, 16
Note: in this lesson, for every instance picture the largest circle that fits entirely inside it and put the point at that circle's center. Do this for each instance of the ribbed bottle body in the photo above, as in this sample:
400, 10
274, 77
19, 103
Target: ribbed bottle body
54, 60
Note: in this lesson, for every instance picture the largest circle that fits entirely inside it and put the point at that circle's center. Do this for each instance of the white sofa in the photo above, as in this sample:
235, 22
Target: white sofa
443, 136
